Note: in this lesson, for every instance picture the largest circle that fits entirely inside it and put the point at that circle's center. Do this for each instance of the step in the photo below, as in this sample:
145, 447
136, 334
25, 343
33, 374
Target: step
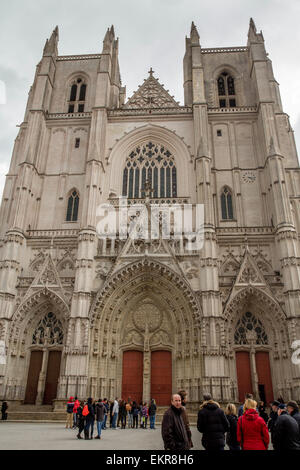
36, 416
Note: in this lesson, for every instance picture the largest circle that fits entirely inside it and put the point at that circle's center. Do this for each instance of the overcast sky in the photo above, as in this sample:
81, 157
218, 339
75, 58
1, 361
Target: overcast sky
151, 33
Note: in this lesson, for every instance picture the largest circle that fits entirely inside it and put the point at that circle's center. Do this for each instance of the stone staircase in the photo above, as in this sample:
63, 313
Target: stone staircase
33, 413
45, 414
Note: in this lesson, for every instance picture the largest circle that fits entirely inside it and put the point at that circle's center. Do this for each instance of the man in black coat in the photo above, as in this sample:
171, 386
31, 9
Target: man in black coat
286, 431
213, 423
293, 410
273, 418
173, 428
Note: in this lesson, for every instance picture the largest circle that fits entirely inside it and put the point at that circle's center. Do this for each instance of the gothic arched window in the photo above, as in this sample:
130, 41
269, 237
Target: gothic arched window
226, 204
152, 162
250, 327
226, 91
73, 205
77, 96
49, 331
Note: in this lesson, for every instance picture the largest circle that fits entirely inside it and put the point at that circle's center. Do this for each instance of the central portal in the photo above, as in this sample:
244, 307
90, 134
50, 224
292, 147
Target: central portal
135, 372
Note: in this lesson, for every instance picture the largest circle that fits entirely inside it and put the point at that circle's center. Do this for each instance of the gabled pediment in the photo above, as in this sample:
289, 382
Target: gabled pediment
151, 94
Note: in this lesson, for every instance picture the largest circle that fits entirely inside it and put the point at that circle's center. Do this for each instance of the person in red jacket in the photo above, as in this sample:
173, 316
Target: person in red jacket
252, 431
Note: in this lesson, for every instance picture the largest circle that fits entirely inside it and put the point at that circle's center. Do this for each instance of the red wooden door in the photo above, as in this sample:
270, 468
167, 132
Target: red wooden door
243, 374
36, 359
52, 376
161, 377
132, 378
264, 374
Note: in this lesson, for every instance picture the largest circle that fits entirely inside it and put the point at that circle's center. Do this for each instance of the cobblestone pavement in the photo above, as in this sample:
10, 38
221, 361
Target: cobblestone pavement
54, 436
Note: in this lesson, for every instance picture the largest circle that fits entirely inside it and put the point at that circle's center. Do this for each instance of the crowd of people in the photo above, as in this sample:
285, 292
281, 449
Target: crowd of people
121, 413
248, 429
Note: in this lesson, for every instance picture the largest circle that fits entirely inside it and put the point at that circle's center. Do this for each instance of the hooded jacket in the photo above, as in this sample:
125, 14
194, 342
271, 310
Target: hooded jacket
252, 431
213, 423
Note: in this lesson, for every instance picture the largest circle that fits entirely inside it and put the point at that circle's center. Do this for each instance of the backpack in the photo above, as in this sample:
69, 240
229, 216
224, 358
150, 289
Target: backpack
85, 411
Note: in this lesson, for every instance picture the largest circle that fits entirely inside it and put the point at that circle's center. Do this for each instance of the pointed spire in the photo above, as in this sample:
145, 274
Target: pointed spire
194, 34
108, 41
51, 44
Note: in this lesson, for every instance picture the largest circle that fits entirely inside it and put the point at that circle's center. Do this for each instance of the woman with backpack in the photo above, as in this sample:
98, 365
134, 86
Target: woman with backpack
89, 413
80, 419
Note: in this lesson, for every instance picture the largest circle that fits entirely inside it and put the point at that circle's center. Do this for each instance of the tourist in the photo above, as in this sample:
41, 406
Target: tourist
231, 437
129, 414
241, 408
80, 419
183, 396
76, 405
135, 414
286, 431
152, 413
114, 414
111, 407
252, 431
89, 419
106, 411
123, 414
273, 417
213, 424
100, 412
262, 412
144, 415
70, 406
4, 409
174, 432
293, 410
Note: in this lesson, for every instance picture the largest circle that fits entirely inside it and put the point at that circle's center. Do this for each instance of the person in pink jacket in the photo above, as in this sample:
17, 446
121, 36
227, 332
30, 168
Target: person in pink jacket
252, 431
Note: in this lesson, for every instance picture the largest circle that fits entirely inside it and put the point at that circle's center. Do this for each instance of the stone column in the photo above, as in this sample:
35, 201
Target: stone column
42, 379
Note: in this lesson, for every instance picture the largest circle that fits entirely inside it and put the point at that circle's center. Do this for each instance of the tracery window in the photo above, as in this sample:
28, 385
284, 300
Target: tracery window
249, 326
73, 205
226, 204
153, 162
77, 96
226, 91
49, 331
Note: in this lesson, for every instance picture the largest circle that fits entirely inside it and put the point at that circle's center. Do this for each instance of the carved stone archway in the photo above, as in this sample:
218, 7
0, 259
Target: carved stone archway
271, 317
145, 306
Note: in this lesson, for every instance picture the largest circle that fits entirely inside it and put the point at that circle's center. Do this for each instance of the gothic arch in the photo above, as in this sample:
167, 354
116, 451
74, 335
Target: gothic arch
31, 308
160, 135
133, 271
237, 81
145, 306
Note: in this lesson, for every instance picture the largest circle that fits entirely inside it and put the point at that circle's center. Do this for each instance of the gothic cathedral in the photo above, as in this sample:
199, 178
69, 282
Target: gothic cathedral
131, 317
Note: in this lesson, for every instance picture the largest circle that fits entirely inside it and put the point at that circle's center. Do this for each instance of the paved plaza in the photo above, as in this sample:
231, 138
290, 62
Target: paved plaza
54, 436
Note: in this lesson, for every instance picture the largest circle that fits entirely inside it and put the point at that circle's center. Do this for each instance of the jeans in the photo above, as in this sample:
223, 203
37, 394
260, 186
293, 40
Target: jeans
99, 427
152, 421
114, 420
136, 421
89, 424
104, 422
123, 421
130, 420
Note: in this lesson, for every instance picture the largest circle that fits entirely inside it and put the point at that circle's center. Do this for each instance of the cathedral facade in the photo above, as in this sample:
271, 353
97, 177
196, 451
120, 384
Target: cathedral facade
127, 317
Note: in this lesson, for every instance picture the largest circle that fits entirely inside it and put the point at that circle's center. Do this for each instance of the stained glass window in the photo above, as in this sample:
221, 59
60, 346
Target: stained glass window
154, 162
247, 325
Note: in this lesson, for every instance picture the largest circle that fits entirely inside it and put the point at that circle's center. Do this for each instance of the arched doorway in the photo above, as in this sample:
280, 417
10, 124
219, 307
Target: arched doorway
45, 360
132, 376
149, 309
252, 359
